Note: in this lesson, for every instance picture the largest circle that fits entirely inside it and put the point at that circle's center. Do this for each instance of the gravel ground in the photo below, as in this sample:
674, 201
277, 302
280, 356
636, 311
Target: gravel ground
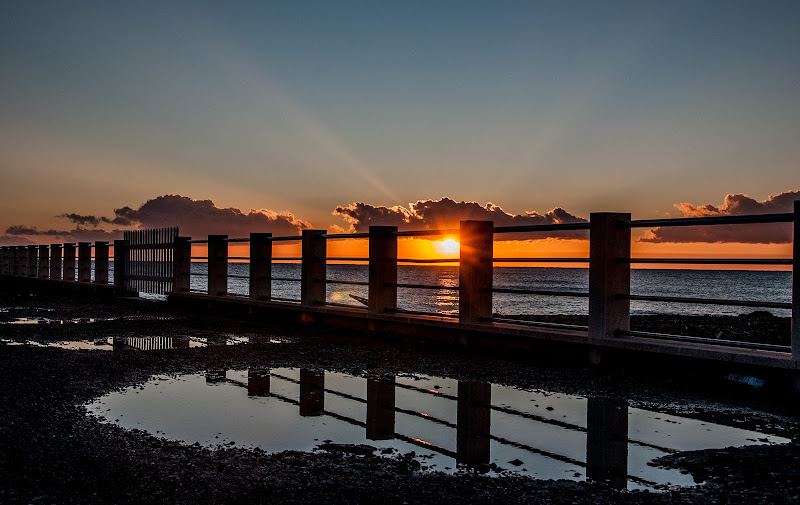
52, 452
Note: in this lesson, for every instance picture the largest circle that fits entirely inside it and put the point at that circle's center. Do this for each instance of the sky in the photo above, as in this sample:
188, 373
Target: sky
332, 114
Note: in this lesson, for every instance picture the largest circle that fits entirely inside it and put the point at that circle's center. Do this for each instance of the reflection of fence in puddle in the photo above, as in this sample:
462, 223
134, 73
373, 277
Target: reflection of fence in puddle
606, 432
182, 342
151, 343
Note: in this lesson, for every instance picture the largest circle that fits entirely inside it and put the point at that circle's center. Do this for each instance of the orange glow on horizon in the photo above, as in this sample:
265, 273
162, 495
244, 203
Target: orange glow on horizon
448, 248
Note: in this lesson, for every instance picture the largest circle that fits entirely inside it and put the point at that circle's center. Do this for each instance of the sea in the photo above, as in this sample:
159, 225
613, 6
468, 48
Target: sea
747, 285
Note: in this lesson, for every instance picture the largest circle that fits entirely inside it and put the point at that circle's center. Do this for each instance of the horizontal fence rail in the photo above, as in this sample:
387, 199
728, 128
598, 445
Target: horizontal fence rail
161, 261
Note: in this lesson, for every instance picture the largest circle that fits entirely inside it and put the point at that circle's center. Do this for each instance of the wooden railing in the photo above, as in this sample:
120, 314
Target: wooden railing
609, 261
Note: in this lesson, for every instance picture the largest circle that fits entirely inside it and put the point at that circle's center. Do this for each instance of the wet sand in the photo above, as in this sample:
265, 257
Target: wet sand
52, 452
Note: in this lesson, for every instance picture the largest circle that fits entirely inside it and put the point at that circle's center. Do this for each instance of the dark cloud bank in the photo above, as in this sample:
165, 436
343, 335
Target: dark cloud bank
447, 213
195, 218
198, 218
734, 205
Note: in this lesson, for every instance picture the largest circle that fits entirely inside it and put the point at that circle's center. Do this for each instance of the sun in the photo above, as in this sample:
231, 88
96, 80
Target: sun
447, 246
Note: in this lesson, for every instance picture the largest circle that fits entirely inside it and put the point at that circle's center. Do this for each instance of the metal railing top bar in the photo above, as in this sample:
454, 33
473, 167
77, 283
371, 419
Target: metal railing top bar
541, 227
427, 233
424, 261
541, 324
344, 235
233, 276
712, 261
198, 257
540, 260
424, 286
286, 238
709, 301
345, 259
543, 292
711, 220
276, 260
238, 257
237, 239
350, 283
198, 241
287, 279
703, 340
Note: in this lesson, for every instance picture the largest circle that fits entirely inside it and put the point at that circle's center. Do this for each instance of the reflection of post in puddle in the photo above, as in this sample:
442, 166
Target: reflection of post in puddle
380, 408
607, 441
258, 382
215, 375
474, 423
312, 393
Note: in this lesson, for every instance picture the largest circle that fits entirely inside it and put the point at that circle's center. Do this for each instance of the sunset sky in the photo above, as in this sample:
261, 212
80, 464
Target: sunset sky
297, 109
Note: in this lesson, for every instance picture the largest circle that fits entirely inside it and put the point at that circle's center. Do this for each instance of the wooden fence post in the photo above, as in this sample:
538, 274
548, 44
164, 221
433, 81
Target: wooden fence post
609, 274
22, 252
260, 266
18, 261
182, 271
120, 263
84, 262
101, 262
475, 272
217, 265
313, 268
382, 269
69, 262
55, 261
796, 284
44, 262
22, 260
32, 260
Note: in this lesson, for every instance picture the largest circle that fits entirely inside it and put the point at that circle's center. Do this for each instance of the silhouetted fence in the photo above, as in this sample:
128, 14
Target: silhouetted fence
149, 260
162, 255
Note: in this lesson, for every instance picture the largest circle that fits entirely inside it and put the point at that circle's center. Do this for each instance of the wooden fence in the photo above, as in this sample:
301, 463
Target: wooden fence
161, 261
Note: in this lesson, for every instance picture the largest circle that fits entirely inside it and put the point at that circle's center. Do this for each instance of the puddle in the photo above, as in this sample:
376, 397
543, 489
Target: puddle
146, 343
450, 426
46, 320
183, 342
101, 344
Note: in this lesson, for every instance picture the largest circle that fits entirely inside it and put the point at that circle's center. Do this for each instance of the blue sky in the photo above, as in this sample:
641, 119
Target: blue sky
303, 106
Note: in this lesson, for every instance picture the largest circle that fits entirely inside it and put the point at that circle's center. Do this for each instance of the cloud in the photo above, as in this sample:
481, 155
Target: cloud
22, 235
122, 217
198, 218
195, 218
446, 214
734, 205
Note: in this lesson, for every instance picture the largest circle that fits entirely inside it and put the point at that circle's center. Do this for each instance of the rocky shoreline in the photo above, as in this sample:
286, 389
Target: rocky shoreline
52, 452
